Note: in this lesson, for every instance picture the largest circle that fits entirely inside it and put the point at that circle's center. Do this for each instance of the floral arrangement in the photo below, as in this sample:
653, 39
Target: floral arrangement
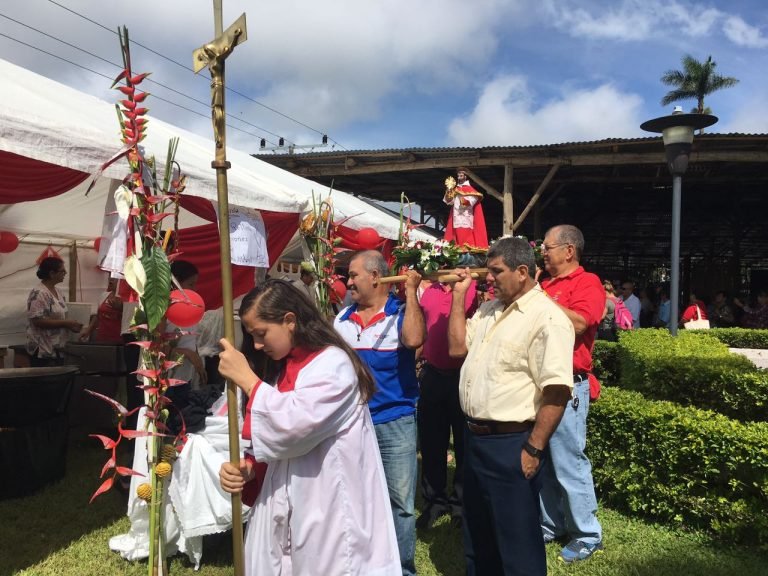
536, 245
427, 257
320, 233
143, 202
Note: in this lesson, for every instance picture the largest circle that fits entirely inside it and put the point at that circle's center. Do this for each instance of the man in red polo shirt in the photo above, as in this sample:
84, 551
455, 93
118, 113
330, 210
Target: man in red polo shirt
568, 502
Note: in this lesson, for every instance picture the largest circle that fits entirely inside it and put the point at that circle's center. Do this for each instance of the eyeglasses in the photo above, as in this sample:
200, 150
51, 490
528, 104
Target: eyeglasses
545, 248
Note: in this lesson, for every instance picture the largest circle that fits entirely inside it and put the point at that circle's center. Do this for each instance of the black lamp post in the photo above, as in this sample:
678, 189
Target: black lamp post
677, 132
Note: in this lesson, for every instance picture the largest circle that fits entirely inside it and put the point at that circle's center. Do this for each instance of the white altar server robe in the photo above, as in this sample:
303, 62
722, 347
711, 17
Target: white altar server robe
324, 506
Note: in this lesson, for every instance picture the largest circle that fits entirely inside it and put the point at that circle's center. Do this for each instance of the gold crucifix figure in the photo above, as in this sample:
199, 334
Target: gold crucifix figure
213, 55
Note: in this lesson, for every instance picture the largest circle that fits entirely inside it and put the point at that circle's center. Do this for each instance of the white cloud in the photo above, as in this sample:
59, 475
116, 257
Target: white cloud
327, 63
630, 20
636, 20
344, 57
742, 34
748, 116
506, 114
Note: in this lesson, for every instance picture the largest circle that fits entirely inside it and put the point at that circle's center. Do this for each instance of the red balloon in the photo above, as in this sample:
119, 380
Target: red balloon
97, 244
338, 291
368, 238
186, 308
8, 242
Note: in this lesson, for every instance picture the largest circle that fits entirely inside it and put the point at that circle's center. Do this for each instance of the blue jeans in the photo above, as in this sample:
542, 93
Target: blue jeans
397, 444
568, 502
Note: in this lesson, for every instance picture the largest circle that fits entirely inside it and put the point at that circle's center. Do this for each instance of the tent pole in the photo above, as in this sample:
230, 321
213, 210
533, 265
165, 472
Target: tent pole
73, 272
213, 55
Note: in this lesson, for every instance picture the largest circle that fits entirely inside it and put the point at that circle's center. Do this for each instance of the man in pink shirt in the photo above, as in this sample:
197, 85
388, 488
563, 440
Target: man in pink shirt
439, 412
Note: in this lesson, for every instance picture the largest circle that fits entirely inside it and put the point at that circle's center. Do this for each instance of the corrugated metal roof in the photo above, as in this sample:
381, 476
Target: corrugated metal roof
464, 149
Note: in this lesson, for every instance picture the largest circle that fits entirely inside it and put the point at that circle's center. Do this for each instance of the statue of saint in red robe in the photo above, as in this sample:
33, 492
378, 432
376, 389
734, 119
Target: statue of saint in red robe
466, 222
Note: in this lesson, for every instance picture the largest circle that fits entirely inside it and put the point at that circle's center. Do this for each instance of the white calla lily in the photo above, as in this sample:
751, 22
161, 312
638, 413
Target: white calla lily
123, 201
137, 244
135, 274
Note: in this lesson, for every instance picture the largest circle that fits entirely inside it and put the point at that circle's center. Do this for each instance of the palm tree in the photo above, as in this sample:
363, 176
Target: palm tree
695, 81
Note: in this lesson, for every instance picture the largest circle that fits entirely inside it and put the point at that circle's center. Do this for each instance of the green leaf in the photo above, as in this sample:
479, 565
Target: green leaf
158, 288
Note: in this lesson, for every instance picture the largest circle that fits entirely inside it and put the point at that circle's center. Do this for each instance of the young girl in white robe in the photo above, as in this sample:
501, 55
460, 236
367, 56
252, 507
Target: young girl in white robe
321, 501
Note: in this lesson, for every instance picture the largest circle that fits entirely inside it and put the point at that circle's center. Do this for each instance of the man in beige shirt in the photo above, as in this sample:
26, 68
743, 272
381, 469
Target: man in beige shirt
515, 383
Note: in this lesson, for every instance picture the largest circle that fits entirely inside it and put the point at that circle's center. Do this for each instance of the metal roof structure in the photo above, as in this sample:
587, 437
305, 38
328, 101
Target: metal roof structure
617, 191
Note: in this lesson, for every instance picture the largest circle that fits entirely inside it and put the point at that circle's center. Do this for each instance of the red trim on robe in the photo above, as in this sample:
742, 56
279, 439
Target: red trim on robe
297, 359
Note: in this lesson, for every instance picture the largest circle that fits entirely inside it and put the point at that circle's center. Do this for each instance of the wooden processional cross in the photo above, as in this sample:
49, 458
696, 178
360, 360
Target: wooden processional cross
213, 56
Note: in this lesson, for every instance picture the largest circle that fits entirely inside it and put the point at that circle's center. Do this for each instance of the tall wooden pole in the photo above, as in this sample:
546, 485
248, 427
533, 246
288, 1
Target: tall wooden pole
213, 55
509, 213
73, 272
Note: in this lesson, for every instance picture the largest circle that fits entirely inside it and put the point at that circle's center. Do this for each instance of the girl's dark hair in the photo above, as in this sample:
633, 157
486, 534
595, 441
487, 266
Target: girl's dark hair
260, 363
273, 299
48, 266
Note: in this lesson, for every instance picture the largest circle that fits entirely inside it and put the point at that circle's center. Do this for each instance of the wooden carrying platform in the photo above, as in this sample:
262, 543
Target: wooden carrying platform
438, 276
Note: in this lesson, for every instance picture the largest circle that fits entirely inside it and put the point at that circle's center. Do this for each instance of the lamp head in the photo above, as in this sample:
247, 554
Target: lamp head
677, 133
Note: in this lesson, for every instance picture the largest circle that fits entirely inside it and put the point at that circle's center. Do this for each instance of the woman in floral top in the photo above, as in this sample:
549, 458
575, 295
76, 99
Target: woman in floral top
47, 311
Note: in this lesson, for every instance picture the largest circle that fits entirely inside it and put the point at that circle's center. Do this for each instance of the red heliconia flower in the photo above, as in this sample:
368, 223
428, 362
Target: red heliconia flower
134, 80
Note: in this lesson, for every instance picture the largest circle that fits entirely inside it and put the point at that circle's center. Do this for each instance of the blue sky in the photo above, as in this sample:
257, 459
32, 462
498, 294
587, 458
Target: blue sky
417, 73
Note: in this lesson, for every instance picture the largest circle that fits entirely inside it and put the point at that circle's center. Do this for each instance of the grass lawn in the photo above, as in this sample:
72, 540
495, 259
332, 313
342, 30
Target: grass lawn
56, 532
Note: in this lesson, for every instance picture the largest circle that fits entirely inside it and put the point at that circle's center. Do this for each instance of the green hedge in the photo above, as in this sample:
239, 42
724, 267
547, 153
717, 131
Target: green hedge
681, 465
605, 362
739, 337
693, 369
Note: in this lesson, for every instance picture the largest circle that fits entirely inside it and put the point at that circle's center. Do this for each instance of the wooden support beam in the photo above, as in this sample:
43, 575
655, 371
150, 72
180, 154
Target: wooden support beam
509, 212
351, 167
349, 163
484, 185
551, 197
536, 195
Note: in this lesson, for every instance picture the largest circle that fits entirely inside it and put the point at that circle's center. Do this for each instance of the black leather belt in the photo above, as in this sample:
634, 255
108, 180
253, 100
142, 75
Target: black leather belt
579, 378
488, 427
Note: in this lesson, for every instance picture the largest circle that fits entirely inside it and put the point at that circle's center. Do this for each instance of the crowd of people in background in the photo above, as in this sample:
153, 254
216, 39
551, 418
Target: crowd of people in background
650, 308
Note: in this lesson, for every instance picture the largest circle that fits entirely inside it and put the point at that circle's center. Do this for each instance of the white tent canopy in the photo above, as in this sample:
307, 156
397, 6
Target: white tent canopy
44, 120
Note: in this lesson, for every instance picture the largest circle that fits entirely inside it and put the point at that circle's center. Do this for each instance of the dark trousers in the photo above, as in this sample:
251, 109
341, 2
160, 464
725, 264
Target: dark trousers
502, 534
212, 370
36, 362
439, 414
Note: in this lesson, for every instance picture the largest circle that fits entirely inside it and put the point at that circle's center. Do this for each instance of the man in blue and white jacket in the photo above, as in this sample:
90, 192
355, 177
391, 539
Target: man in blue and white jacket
386, 332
